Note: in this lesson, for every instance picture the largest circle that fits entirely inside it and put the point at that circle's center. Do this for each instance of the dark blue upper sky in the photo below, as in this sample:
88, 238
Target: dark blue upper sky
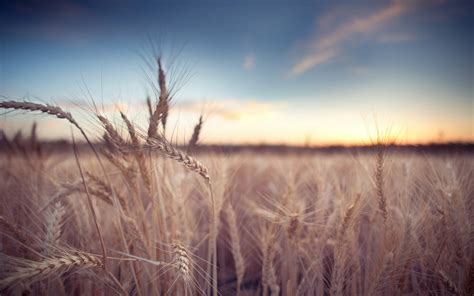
317, 63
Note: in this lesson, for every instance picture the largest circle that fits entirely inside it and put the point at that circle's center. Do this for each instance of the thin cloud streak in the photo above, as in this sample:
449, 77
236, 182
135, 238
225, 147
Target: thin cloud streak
325, 48
313, 60
361, 25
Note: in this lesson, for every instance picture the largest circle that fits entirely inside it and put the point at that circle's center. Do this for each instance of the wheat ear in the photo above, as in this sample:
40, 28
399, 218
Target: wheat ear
28, 271
189, 162
195, 137
54, 222
379, 180
29, 106
104, 192
181, 260
348, 217
164, 94
51, 110
114, 136
138, 153
161, 110
269, 277
148, 104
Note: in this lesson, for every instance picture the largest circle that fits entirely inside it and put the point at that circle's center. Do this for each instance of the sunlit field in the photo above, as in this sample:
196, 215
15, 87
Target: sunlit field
221, 147
135, 215
311, 225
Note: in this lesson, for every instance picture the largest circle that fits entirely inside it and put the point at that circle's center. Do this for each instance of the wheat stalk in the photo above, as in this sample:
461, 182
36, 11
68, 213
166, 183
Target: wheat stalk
235, 246
269, 277
136, 235
194, 165
338, 276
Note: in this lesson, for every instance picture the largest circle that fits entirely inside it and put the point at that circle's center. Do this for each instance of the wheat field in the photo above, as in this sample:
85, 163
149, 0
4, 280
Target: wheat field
135, 215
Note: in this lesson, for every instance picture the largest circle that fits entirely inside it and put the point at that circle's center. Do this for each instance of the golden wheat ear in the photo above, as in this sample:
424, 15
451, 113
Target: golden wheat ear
47, 109
382, 144
160, 113
54, 222
148, 104
113, 135
164, 98
29, 106
28, 271
195, 137
138, 152
189, 162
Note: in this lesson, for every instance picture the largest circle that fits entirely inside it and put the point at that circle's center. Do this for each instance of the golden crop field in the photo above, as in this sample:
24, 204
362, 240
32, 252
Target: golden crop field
136, 215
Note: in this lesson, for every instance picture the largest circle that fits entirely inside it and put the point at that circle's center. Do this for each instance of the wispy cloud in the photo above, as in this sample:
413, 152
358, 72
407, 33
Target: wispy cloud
249, 62
312, 60
326, 47
362, 25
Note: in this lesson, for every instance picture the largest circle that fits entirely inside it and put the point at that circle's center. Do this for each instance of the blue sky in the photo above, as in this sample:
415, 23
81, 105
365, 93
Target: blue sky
261, 71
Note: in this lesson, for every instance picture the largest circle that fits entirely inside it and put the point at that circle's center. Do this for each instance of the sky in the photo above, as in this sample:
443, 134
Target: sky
274, 72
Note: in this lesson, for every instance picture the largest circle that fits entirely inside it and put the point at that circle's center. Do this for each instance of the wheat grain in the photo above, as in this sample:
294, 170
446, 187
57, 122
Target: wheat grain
181, 260
54, 221
148, 104
28, 271
29, 106
379, 181
181, 157
163, 101
160, 114
138, 152
195, 137
114, 136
